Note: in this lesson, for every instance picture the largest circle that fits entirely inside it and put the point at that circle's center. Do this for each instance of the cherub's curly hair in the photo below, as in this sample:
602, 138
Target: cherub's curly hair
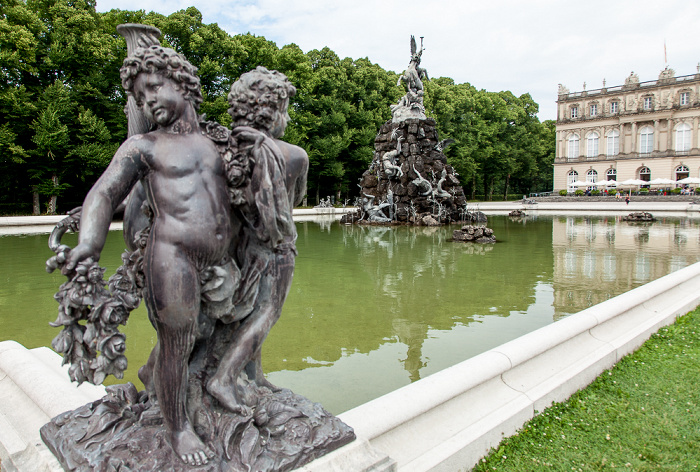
257, 95
164, 61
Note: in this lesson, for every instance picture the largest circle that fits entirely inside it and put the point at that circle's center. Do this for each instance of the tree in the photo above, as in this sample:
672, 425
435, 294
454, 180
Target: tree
54, 71
61, 104
338, 111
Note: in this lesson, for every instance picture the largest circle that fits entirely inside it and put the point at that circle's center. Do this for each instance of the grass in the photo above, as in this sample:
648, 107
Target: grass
642, 415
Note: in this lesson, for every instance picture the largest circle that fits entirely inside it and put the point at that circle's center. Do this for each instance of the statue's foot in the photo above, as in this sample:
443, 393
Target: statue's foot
190, 449
263, 382
226, 395
145, 375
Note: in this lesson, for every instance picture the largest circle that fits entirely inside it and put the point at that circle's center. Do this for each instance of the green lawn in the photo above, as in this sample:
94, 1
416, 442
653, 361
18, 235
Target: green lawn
642, 415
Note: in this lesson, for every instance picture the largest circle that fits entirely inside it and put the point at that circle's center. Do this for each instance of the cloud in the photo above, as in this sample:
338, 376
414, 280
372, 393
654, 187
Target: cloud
524, 47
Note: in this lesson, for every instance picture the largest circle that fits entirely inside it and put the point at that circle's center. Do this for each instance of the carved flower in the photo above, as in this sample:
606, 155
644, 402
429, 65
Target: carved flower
63, 342
114, 346
95, 272
114, 314
120, 365
216, 132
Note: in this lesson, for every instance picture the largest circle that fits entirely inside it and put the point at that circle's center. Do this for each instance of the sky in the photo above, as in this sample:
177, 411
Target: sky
521, 46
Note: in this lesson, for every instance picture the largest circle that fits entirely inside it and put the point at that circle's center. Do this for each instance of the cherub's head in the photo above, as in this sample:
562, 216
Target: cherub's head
259, 99
167, 63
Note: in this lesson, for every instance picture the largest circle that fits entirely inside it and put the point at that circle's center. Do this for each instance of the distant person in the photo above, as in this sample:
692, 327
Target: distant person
627, 199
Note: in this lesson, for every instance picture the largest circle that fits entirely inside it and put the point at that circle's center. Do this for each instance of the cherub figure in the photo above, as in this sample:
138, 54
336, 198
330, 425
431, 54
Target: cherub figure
266, 246
414, 73
185, 182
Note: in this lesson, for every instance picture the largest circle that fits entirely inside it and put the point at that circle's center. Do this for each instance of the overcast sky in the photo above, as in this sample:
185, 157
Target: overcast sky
521, 46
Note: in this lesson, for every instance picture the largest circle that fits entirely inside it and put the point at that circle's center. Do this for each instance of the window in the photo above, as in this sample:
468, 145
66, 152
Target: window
573, 147
591, 176
571, 177
610, 267
588, 269
613, 140
594, 110
614, 107
683, 137
574, 112
643, 267
611, 174
592, 145
682, 172
647, 103
685, 98
646, 140
645, 174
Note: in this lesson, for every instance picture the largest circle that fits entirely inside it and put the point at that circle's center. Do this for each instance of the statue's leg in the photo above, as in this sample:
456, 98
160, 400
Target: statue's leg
246, 344
146, 373
173, 298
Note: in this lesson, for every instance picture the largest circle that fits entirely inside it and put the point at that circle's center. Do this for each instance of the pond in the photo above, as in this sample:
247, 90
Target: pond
373, 308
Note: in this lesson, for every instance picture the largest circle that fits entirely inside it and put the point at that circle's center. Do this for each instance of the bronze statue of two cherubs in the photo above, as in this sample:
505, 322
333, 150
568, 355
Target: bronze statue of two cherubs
214, 261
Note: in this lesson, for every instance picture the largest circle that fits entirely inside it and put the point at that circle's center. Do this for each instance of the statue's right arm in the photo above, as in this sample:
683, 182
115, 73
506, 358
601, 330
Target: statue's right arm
301, 182
127, 167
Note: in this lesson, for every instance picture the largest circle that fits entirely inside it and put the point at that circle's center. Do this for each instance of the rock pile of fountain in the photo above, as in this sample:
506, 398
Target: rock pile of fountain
640, 216
409, 180
477, 234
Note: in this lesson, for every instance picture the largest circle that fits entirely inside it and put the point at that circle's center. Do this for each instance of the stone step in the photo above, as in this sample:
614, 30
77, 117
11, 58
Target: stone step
21, 448
53, 361
34, 388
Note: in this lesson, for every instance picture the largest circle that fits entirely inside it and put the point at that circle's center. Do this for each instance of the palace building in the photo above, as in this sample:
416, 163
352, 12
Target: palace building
639, 130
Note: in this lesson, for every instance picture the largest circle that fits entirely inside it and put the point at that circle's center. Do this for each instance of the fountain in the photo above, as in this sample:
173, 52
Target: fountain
409, 180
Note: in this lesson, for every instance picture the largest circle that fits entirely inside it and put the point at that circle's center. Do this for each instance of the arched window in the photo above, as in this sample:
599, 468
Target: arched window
592, 145
683, 137
645, 174
613, 141
682, 172
611, 174
571, 177
646, 140
591, 176
573, 147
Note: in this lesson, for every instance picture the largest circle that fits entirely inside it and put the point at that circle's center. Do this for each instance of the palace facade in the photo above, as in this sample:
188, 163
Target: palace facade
639, 130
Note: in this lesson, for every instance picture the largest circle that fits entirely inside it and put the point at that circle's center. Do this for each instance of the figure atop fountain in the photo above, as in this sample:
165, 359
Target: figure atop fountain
186, 186
411, 104
414, 73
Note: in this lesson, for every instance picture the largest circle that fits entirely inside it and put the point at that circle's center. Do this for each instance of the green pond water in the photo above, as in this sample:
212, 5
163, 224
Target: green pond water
372, 308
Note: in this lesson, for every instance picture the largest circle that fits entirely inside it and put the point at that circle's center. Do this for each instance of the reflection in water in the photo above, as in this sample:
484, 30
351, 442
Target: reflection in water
374, 308
629, 254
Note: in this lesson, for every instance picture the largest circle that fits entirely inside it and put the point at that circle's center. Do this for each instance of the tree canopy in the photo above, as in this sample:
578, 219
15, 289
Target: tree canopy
61, 106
